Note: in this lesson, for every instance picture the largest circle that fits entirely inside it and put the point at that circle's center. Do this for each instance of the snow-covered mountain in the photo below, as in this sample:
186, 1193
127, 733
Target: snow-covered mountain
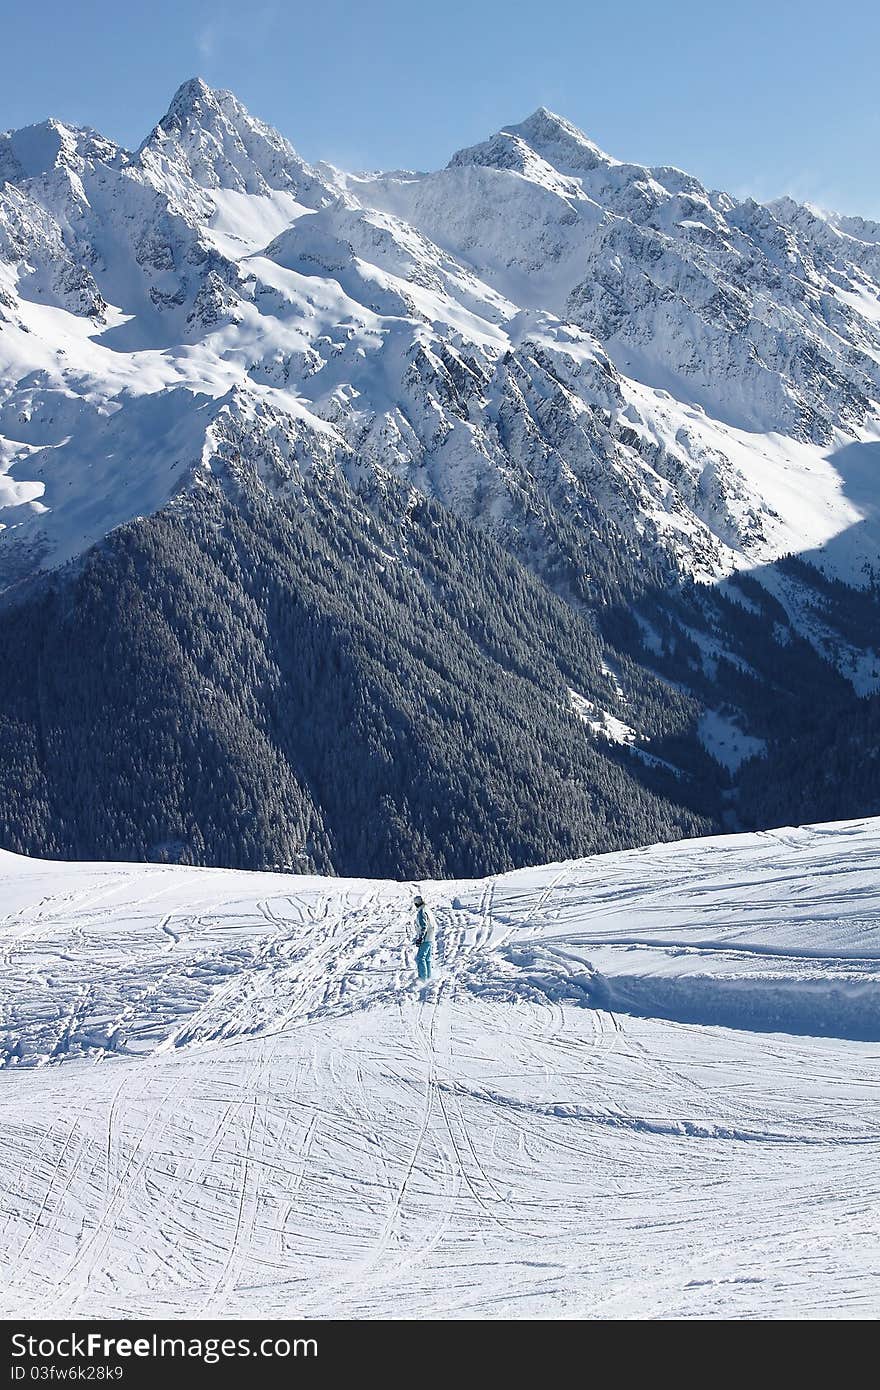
422, 525
536, 322
642, 1086
625, 381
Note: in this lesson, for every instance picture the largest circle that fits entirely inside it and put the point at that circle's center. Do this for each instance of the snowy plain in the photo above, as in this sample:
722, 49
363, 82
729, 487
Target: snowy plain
642, 1085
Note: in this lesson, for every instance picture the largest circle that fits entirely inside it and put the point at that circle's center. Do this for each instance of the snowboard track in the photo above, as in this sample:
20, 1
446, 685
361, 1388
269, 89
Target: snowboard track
268, 1113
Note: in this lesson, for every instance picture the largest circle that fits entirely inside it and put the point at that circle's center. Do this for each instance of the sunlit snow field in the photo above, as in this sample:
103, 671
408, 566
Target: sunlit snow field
642, 1085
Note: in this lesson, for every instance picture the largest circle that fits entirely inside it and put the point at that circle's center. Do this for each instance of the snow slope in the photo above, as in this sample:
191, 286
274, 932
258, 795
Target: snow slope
643, 1085
536, 324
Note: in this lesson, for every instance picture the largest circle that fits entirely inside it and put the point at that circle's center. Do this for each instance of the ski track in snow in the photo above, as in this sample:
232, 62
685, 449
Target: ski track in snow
642, 1085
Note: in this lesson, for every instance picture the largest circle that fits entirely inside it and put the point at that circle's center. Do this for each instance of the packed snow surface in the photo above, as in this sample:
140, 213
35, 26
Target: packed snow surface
642, 1085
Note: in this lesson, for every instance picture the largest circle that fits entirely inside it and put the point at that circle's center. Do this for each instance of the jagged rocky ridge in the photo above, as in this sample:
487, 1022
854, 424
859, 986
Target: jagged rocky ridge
640, 390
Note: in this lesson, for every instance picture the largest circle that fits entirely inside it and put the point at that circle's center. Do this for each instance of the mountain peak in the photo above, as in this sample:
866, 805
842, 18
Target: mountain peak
188, 97
197, 108
544, 121
196, 104
543, 139
36, 150
559, 140
211, 136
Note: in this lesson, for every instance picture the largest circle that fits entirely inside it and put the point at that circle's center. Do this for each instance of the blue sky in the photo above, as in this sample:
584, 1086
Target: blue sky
759, 98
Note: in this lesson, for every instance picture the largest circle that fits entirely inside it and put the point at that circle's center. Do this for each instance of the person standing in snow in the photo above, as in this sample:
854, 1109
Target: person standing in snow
426, 930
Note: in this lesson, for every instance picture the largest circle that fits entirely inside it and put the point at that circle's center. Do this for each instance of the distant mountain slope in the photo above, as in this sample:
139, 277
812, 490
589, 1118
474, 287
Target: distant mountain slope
536, 316
627, 400
320, 683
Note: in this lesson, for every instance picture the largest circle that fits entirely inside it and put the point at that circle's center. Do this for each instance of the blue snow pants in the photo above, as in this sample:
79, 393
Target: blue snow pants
423, 960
